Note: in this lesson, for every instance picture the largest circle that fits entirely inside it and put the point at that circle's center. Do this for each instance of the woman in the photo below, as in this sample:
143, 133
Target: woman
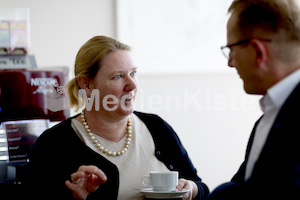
104, 152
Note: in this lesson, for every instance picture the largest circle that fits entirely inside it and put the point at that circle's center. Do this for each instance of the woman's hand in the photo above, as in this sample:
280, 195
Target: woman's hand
85, 181
189, 185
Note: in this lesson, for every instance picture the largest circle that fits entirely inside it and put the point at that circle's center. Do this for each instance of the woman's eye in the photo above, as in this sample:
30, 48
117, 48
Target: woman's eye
133, 73
117, 76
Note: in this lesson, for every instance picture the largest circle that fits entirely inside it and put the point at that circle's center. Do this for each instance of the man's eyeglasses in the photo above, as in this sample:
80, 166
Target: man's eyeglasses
226, 49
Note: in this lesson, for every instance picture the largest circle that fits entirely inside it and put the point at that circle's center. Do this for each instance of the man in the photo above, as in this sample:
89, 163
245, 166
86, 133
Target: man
263, 38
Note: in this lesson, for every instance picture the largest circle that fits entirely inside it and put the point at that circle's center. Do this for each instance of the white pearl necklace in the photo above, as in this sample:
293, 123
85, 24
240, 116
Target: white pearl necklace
102, 148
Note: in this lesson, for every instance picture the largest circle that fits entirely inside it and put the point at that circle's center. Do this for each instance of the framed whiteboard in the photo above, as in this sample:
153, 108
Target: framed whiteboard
174, 36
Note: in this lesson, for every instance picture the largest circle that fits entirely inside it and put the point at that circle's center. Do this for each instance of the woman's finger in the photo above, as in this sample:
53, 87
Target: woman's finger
77, 192
93, 170
181, 184
78, 175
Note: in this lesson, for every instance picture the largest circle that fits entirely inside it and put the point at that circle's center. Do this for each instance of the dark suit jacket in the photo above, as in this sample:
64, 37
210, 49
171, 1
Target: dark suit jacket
276, 174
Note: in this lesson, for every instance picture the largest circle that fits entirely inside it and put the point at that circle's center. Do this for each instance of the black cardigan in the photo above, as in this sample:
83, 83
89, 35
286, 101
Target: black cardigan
59, 152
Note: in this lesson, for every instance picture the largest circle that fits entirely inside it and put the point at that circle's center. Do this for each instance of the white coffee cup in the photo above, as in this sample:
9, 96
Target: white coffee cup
161, 180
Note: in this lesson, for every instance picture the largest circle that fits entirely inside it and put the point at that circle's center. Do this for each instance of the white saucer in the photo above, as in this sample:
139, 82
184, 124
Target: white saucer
149, 193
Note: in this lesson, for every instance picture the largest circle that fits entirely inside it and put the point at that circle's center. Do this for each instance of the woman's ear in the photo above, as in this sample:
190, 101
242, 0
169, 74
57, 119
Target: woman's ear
260, 50
84, 83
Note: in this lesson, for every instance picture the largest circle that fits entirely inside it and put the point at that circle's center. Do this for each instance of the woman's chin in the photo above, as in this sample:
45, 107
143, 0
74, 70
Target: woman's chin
126, 110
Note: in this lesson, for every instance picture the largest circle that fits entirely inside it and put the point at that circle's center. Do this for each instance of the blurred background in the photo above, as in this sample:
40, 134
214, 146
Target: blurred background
182, 73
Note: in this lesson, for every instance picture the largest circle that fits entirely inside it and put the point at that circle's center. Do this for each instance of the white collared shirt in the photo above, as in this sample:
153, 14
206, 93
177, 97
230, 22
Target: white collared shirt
270, 105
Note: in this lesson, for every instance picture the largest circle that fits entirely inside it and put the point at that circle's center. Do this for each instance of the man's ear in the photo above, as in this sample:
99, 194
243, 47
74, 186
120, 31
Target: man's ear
260, 50
85, 83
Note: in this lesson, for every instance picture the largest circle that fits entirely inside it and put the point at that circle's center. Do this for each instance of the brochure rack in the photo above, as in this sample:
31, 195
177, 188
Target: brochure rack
17, 61
14, 31
15, 39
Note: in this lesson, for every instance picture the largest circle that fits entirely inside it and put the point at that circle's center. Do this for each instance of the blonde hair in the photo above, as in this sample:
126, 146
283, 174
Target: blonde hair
88, 62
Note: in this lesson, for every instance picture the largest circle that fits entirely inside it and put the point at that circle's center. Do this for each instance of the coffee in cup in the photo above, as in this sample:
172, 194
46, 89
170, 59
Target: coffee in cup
161, 180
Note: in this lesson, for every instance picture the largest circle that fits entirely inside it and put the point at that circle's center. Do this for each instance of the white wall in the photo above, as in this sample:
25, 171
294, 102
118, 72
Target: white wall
210, 112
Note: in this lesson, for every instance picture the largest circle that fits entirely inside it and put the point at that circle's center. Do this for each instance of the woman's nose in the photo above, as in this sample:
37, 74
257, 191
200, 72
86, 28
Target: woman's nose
131, 83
